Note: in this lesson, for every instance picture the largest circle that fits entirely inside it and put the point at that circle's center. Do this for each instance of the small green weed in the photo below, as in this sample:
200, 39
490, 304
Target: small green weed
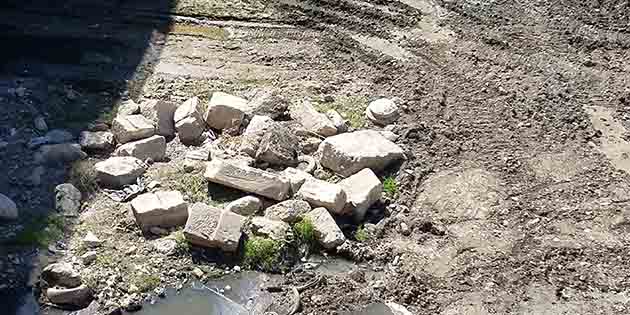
194, 185
41, 232
182, 242
390, 187
305, 232
262, 253
351, 108
361, 235
145, 282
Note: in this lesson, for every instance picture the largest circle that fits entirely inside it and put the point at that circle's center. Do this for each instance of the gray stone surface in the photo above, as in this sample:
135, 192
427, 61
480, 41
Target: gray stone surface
8, 208
132, 127
119, 171
61, 274
278, 146
362, 189
247, 205
90, 240
67, 199
201, 224
312, 120
382, 111
80, 296
229, 231
351, 152
63, 153
162, 114
258, 125
153, 148
337, 120
162, 208
248, 179
326, 229
319, 193
269, 228
128, 107
95, 141
296, 178
188, 121
289, 211
225, 111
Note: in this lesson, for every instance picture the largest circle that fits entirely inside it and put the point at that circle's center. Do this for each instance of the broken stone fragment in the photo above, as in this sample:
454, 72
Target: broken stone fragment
362, 190
312, 120
201, 224
96, 141
8, 208
162, 208
225, 111
258, 125
229, 231
278, 146
132, 127
153, 148
326, 229
296, 177
162, 114
273, 229
80, 296
188, 121
310, 145
128, 107
337, 120
319, 193
91, 240
382, 111
61, 274
247, 179
67, 199
247, 205
351, 152
289, 211
119, 171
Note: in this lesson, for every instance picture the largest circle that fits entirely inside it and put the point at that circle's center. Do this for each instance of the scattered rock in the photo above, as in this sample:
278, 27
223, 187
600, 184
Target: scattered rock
278, 146
248, 179
162, 208
307, 163
273, 229
128, 107
80, 296
247, 205
188, 121
201, 224
382, 111
198, 272
96, 141
310, 145
268, 103
61, 274
8, 208
337, 120
229, 231
162, 114
398, 309
40, 124
119, 171
97, 126
296, 178
54, 154
289, 211
404, 229
319, 193
312, 120
327, 232
153, 148
250, 144
165, 246
89, 257
91, 240
132, 127
201, 154
67, 199
258, 125
362, 190
351, 152
225, 111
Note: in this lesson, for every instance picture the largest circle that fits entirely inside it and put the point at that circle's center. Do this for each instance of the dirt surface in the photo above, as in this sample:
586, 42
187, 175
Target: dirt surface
515, 127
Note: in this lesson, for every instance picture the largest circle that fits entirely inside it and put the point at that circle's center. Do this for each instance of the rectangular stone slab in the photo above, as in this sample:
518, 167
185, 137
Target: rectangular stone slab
201, 224
162, 208
248, 179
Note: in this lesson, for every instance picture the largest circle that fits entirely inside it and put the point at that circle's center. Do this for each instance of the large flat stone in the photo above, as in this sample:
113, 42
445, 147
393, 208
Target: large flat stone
326, 229
229, 231
225, 111
319, 193
162, 208
99, 140
248, 179
201, 224
119, 171
150, 148
162, 114
188, 121
312, 120
349, 153
247, 205
289, 211
269, 228
61, 274
132, 127
80, 296
362, 189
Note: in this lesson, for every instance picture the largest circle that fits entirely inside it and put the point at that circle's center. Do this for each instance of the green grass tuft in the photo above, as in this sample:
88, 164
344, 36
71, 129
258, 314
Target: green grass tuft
145, 282
390, 187
182, 242
361, 235
262, 253
305, 232
351, 108
194, 185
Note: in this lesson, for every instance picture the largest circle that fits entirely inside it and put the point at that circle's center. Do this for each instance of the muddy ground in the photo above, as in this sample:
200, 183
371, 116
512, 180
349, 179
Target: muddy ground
515, 126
